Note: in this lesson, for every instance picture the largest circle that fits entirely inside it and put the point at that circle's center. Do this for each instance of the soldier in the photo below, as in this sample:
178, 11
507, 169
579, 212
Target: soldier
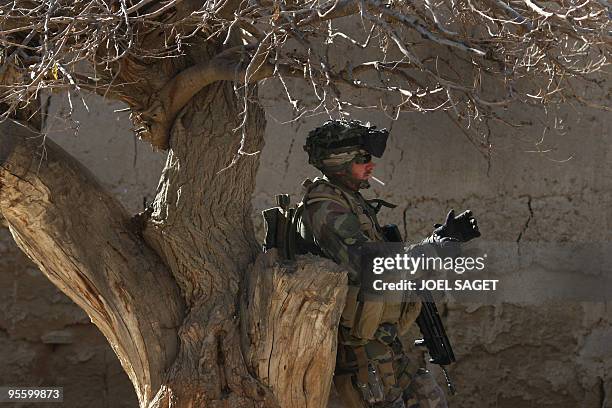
372, 369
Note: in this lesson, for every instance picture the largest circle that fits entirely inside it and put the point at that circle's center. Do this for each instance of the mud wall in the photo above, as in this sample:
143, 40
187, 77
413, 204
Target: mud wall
510, 355
533, 188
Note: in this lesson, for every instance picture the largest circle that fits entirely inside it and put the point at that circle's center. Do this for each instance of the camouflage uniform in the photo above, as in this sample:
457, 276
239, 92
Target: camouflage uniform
336, 219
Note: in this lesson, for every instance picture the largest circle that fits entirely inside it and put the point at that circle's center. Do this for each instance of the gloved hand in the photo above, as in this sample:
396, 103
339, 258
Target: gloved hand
461, 228
444, 246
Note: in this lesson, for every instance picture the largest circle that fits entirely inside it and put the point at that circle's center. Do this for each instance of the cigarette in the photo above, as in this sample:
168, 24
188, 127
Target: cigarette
377, 180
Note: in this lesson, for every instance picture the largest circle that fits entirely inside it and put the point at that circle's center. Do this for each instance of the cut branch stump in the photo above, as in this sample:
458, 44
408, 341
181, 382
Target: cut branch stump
290, 324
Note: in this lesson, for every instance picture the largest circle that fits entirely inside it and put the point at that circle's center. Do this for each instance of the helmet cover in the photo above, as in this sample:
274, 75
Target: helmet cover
338, 137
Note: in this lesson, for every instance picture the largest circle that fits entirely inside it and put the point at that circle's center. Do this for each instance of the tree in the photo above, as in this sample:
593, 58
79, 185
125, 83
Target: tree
195, 316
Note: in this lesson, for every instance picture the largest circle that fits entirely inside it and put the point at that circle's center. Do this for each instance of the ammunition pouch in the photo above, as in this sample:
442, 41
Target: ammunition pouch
368, 316
373, 390
371, 369
279, 228
364, 315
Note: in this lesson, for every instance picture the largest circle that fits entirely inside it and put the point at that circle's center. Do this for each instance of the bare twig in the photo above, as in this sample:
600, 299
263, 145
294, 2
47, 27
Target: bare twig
467, 57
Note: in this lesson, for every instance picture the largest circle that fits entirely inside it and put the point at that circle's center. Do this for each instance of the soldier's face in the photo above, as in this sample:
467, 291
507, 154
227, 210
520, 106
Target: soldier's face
362, 171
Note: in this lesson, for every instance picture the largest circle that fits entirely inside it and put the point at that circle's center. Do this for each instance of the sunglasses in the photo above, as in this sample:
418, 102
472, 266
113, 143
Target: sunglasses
363, 159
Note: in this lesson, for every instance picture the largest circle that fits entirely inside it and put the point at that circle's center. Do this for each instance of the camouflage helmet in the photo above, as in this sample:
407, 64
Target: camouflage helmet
340, 136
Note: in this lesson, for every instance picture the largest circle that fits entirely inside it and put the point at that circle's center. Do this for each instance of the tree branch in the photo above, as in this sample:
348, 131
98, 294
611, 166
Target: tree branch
83, 241
232, 64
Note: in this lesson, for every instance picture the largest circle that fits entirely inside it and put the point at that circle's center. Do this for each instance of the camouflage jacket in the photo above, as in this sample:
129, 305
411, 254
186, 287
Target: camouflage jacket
335, 220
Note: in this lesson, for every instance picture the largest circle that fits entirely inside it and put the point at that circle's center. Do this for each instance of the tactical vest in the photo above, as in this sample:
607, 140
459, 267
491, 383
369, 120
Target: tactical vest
363, 317
365, 212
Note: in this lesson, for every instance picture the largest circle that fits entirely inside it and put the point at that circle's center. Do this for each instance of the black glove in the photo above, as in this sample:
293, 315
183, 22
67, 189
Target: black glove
444, 246
461, 228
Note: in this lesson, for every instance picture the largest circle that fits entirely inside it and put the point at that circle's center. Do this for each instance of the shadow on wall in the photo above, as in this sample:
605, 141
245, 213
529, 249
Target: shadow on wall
47, 340
508, 356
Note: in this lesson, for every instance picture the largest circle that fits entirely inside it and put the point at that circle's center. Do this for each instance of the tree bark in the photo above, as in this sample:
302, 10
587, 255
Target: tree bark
201, 226
200, 223
290, 324
165, 287
83, 241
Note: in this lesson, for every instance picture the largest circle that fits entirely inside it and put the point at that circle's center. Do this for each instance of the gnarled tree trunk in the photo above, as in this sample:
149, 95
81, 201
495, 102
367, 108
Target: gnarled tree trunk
164, 287
84, 242
297, 310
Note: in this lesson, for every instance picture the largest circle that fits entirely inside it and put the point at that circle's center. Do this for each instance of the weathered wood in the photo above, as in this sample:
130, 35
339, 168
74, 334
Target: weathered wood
200, 224
164, 288
290, 325
82, 239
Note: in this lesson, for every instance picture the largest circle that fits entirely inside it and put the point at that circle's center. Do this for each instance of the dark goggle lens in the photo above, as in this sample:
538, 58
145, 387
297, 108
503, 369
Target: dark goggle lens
363, 159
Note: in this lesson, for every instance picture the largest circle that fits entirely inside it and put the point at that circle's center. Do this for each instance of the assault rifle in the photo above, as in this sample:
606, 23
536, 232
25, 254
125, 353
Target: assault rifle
429, 322
434, 336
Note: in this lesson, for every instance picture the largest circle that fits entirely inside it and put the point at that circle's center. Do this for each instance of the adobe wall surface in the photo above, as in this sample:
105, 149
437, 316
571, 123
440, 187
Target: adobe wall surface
510, 355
